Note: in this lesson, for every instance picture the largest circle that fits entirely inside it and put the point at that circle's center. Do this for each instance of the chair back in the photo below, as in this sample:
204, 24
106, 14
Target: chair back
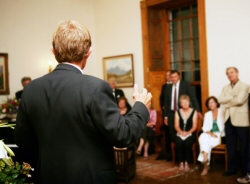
199, 127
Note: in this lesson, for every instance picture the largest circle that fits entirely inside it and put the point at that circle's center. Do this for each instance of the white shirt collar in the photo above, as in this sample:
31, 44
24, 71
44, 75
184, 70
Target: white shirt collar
177, 84
74, 66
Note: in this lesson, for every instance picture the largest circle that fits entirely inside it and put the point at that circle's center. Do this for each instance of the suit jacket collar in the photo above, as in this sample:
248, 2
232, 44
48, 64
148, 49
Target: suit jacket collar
235, 87
67, 67
235, 84
73, 66
180, 83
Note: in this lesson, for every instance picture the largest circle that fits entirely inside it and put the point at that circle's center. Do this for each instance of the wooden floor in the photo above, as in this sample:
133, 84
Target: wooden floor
214, 176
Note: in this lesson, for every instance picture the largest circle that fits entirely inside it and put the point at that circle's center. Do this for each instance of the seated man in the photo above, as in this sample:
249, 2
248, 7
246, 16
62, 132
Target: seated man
25, 81
118, 93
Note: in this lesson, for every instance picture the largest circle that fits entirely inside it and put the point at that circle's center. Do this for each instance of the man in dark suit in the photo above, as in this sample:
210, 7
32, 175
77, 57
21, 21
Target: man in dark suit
118, 93
72, 119
173, 92
167, 153
162, 95
25, 81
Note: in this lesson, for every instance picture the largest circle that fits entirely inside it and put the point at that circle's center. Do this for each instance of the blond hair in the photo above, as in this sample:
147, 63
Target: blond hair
71, 41
184, 97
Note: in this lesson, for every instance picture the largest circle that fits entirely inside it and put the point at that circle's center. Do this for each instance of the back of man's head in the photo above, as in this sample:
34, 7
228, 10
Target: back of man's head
71, 42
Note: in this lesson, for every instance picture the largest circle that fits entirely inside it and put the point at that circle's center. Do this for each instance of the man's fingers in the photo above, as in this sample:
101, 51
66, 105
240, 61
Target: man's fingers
148, 104
149, 96
144, 91
136, 92
143, 97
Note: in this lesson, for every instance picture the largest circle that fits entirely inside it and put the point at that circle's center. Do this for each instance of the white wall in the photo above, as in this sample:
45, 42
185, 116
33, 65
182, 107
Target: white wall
118, 32
27, 27
228, 36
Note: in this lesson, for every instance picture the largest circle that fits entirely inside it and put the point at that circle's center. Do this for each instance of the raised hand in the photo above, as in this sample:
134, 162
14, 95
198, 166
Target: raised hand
143, 97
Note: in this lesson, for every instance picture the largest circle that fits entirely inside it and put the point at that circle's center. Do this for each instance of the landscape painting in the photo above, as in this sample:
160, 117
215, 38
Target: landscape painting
119, 68
4, 74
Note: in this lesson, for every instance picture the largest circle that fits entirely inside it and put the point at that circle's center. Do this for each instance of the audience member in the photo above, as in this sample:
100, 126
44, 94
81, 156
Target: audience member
25, 81
168, 81
234, 97
185, 125
72, 119
123, 105
213, 130
148, 136
118, 93
167, 152
172, 93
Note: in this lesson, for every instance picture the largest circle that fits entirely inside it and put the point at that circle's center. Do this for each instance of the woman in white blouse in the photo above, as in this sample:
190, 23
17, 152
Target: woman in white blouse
213, 130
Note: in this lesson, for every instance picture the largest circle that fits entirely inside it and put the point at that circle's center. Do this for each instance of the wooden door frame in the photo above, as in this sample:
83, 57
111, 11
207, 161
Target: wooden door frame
202, 41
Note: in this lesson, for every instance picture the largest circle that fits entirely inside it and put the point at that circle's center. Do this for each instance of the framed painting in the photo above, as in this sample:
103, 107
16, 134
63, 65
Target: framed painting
120, 68
4, 74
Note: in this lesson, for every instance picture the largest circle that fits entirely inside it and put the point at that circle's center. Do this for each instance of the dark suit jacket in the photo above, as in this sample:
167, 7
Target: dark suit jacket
118, 94
19, 94
74, 122
162, 95
184, 89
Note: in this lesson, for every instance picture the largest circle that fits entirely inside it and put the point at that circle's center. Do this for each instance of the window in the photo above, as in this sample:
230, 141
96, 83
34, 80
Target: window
184, 42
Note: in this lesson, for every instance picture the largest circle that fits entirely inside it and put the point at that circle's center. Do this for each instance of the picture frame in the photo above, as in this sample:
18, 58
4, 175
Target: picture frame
4, 74
120, 68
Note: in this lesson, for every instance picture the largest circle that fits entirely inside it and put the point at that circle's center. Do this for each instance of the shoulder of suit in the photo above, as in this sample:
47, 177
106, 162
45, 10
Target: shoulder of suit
239, 83
168, 85
184, 85
117, 89
19, 91
95, 80
184, 82
79, 78
243, 83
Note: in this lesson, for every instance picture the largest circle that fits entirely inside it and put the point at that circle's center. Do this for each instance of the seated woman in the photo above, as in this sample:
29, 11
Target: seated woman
185, 125
148, 135
123, 105
213, 130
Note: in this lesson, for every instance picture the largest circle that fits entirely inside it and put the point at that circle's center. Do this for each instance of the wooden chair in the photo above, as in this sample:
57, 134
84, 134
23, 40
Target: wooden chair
221, 149
125, 162
195, 147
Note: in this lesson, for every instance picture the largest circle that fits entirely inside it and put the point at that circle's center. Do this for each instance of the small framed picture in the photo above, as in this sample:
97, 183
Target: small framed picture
4, 74
120, 68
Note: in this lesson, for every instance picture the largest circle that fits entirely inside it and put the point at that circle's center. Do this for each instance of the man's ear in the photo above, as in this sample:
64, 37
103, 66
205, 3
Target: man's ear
84, 61
88, 53
53, 50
